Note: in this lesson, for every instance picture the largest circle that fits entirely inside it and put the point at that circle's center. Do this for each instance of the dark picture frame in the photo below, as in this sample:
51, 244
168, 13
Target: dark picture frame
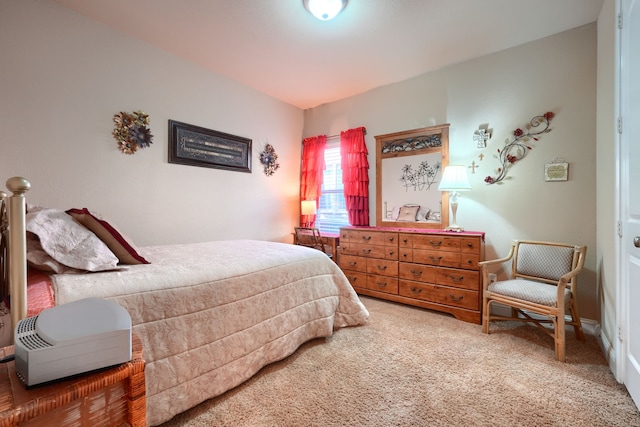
197, 146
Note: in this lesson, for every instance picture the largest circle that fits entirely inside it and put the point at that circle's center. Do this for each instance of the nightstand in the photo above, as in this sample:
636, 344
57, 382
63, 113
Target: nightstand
108, 397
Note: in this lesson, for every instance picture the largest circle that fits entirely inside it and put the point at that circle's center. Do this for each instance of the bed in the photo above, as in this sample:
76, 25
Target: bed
210, 315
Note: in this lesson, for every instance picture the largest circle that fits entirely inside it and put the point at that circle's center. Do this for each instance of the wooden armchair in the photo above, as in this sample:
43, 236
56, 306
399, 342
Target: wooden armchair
310, 237
543, 281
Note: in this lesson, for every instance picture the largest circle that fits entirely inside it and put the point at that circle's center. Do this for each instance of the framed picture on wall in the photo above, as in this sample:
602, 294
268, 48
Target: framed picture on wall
556, 172
197, 146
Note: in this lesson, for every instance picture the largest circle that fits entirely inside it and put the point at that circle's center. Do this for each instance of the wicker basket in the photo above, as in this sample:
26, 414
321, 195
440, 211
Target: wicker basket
108, 397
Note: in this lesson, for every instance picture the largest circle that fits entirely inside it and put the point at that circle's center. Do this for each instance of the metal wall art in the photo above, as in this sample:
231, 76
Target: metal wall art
132, 131
269, 160
517, 149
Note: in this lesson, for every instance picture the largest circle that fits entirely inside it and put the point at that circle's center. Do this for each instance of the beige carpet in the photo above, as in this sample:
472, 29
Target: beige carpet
414, 367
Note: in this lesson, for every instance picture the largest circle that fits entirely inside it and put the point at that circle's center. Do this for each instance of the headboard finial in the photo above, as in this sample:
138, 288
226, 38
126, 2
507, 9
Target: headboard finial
18, 185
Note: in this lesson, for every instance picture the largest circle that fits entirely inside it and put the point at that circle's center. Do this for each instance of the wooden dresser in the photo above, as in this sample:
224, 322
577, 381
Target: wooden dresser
432, 269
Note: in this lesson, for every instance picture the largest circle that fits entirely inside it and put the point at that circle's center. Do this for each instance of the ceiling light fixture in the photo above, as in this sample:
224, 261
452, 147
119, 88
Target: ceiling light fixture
324, 10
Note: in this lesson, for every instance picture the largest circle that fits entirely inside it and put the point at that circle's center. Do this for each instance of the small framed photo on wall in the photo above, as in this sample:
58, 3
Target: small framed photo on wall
556, 171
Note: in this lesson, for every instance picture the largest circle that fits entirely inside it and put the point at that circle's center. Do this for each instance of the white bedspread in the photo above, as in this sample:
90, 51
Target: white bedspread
210, 315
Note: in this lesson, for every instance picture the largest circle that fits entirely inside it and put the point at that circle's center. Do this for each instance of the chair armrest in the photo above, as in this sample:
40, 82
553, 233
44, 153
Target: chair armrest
484, 264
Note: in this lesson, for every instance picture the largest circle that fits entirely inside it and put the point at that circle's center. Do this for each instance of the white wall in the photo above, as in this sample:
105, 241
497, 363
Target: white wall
607, 187
64, 77
504, 90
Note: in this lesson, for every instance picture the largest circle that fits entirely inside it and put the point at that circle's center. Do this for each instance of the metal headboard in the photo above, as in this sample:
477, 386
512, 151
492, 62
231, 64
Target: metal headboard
4, 227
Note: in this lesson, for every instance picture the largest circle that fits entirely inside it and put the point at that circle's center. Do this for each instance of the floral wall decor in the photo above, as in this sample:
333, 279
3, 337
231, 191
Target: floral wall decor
269, 160
132, 131
517, 149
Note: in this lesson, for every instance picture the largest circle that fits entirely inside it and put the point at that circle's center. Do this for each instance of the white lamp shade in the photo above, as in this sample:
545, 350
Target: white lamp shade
308, 207
454, 178
324, 10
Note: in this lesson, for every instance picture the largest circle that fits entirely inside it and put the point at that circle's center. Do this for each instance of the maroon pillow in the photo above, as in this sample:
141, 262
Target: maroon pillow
120, 245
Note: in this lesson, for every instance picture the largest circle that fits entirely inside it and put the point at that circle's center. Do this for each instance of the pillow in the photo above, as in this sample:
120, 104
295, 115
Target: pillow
38, 258
119, 244
68, 242
423, 214
408, 213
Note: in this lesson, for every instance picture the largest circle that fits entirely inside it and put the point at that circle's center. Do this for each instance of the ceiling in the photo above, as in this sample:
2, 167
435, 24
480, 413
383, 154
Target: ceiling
278, 48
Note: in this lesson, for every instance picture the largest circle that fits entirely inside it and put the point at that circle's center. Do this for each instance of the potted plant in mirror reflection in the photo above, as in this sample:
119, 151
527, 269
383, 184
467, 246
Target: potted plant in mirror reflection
516, 150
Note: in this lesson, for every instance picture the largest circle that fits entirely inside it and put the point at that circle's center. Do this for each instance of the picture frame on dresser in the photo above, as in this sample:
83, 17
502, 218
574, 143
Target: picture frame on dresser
409, 166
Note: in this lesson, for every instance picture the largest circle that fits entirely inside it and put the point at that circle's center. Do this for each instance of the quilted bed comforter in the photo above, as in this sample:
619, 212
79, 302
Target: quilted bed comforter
211, 315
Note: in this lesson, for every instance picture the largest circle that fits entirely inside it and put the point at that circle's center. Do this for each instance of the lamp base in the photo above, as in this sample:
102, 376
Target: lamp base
454, 228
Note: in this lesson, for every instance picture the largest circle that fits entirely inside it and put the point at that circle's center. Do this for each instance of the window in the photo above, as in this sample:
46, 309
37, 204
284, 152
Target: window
332, 210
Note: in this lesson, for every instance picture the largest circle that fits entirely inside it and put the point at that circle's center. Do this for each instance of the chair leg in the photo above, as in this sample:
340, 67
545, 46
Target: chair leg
560, 337
575, 319
486, 307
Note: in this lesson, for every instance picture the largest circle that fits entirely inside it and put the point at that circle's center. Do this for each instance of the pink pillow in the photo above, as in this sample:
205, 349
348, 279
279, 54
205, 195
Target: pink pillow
120, 245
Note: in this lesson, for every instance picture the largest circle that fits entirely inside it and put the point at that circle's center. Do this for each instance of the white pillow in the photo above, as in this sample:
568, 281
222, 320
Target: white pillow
68, 242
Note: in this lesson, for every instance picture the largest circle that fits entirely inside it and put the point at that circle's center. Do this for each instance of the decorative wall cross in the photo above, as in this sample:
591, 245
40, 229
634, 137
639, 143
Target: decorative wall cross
473, 166
481, 136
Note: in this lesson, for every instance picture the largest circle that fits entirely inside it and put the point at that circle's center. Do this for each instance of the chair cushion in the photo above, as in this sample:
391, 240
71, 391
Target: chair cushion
549, 262
528, 290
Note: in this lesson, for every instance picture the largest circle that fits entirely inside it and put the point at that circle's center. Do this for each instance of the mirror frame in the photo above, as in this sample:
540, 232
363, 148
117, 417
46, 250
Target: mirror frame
438, 138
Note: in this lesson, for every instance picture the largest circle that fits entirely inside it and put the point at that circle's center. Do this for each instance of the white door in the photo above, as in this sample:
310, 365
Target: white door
630, 193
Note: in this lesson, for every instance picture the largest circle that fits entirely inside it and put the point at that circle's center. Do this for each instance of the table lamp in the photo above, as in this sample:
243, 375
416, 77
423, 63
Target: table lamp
454, 179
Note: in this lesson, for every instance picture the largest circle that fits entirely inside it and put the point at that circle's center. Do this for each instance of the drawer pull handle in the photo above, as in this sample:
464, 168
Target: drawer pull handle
353, 278
454, 299
381, 284
456, 279
432, 243
433, 258
382, 267
415, 290
416, 273
391, 253
469, 261
469, 245
366, 251
404, 240
353, 263
367, 238
391, 239
405, 255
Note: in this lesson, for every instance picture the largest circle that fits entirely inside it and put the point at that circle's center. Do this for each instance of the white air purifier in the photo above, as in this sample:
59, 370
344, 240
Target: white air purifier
71, 339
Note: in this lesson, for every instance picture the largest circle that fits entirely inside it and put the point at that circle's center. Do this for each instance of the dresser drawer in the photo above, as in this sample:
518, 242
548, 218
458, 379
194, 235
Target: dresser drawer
417, 272
383, 252
405, 240
382, 284
405, 254
457, 297
469, 261
457, 278
471, 246
372, 238
439, 258
382, 267
440, 294
357, 280
437, 243
417, 290
353, 263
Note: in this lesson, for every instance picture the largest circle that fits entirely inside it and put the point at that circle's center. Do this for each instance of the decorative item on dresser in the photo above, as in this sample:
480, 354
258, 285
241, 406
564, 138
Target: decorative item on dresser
426, 268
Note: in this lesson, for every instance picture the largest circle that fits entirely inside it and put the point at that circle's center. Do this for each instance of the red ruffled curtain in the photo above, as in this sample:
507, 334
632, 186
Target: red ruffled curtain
355, 175
312, 172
